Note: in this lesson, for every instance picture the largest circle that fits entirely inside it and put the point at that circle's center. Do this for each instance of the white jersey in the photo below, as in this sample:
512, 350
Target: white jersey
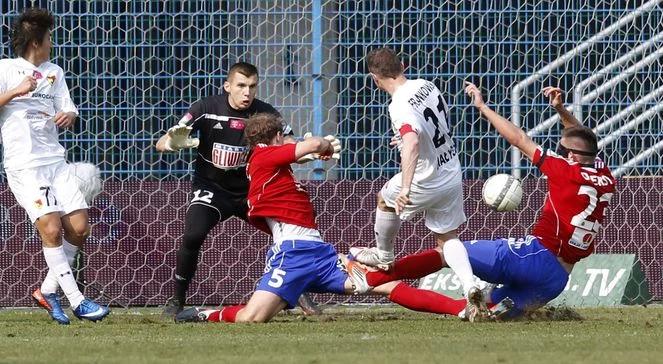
419, 104
27, 131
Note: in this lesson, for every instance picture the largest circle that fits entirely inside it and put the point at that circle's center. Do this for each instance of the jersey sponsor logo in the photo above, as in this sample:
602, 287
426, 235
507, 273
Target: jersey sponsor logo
228, 156
37, 75
237, 124
43, 96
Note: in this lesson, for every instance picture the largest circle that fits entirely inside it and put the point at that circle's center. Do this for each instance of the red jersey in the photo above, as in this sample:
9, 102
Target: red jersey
273, 190
575, 205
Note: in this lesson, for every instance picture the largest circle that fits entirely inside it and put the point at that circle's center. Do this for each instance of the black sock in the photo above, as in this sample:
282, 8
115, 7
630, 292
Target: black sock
187, 262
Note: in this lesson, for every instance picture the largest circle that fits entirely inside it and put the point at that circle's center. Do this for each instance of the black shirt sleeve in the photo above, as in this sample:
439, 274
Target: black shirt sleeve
193, 116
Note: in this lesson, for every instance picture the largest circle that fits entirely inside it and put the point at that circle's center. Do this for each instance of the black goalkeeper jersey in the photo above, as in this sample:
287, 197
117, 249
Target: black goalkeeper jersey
222, 152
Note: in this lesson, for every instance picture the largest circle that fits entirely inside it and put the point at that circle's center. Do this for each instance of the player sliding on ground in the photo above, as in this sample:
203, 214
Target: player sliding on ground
299, 260
219, 177
534, 270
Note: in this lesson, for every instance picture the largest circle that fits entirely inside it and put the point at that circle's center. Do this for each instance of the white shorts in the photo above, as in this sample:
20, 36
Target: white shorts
45, 189
442, 206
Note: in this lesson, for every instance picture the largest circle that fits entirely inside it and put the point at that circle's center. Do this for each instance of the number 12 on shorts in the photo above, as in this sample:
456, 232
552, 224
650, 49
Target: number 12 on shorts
277, 278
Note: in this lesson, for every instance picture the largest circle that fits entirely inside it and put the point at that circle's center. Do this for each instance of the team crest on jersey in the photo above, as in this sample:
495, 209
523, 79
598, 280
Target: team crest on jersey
50, 79
38, 203
237, 124
37, 75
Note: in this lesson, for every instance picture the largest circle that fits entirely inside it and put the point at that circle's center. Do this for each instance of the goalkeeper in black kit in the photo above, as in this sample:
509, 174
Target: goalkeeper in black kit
220, 185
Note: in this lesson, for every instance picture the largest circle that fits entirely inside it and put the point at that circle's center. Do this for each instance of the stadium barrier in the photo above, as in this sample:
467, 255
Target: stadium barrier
138, 225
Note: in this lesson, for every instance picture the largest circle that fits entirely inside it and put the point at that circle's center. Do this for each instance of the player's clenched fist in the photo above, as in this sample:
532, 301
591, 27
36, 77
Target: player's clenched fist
64, 119
336, 146
28, 84
334, 153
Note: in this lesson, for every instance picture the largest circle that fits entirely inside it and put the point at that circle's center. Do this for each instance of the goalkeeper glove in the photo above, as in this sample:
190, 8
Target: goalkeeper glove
336, 146
178, 138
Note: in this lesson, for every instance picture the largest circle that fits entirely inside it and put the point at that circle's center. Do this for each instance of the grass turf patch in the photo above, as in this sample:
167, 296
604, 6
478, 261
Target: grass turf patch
342, 334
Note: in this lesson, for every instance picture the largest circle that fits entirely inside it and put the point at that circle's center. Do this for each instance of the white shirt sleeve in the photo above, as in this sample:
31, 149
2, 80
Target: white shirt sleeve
62, 99
402, 115
3, 79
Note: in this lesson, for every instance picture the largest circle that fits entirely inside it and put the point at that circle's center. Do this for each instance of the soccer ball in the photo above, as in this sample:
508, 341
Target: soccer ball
88, 177
502, 192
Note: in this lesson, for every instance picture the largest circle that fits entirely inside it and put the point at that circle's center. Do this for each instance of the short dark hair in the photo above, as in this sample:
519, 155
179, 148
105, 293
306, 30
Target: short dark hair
31, 26
262, 128
384, 62
246, 69
585, 134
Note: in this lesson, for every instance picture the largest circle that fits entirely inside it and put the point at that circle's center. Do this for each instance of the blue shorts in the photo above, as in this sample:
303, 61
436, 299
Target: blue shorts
530, 274
297, 266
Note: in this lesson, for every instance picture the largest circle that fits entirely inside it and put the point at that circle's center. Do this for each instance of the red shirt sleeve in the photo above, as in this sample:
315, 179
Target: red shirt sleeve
277, 155
551, 164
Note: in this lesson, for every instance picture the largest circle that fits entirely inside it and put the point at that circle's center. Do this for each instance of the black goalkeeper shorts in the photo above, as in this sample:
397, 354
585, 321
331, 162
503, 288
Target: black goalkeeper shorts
217, 200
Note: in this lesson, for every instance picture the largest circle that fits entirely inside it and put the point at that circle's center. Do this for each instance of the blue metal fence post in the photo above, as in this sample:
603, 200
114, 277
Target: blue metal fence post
318, 172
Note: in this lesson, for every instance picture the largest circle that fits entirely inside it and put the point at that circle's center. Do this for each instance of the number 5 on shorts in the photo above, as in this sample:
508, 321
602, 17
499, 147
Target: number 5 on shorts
277, 278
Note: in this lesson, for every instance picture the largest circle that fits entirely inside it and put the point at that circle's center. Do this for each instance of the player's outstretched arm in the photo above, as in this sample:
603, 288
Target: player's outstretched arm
513, 134
28, 84
555, 97
317, 145
335, 144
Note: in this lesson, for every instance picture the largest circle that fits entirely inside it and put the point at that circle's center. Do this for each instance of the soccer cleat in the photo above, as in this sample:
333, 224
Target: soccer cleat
308, 306
476, 309
51, 303
373, 257
357, 276
192, 314
173, 306
91, 311
502, 308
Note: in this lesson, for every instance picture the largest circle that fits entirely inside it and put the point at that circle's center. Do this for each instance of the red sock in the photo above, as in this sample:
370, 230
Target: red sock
214, 316
229, 313
410, 267
425, 301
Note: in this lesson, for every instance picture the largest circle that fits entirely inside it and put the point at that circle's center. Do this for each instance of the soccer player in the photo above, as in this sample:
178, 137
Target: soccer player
299, 260
219, 178
34, 103
430, 180
534, 270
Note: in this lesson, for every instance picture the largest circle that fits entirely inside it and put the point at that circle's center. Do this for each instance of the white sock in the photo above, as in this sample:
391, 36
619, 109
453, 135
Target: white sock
456, 257
56, 259
386, 228
50, 283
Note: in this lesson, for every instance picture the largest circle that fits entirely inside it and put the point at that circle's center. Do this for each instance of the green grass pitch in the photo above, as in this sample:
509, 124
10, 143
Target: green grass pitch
341, 335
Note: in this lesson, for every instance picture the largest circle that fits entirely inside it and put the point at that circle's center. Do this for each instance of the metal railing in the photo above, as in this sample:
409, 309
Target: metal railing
517, 90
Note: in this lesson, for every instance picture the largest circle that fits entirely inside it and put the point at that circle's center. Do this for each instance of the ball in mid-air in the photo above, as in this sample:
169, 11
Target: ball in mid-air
502, 192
